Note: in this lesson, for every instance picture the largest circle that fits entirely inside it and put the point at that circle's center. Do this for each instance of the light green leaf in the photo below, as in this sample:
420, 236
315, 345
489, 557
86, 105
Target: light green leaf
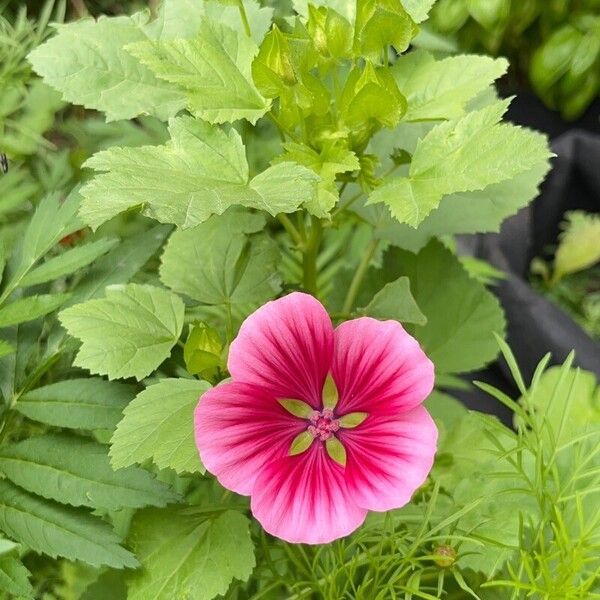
440, 89
129, 333
90, 403
223, 261
418, 9
86, 61
461, 155
201, 171
183, 18
76, 470
68, 262
159, 424
57, 530
579, 245
184, 554
466, 212
462, 316
395, 301
212, 69
14, 578
30, 308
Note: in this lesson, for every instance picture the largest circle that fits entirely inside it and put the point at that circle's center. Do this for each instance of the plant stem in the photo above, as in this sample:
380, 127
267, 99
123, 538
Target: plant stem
311, 252
359, 276
244, 16
291, 230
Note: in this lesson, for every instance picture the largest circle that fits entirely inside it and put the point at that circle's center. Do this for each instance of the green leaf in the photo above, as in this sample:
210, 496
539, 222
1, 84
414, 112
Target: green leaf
14, 578
298, 408
75, 470
30, 308
159, 424
129, 333
462, 316
570, 403
57, 530
212, 69
6, 348
201, 171
68, 262
90, 403
466, 212
184, 554
395, 301
51, 221
86, 61
223, 261
440, 89
461, 155
330, 394
120, 264
579, 245
183, 18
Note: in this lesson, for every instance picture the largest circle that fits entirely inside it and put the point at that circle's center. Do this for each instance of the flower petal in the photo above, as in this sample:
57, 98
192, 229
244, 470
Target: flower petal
389, 458
285, 346
379, 368
304, 499
239, 428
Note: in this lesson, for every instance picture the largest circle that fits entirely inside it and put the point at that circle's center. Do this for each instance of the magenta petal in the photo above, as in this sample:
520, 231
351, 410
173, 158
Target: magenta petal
304, 499
389, 458
239, 428
379, 368
285, 347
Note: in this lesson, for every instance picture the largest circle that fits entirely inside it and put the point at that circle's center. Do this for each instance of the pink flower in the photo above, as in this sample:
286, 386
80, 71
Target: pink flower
319, 425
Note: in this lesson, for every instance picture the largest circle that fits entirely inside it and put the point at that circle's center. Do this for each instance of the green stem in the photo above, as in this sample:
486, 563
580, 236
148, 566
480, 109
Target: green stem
310, 257
291, 230
244, 16
359, 276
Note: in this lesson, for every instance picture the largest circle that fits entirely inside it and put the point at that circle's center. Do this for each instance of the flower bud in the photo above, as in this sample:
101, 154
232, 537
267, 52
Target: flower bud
445, 556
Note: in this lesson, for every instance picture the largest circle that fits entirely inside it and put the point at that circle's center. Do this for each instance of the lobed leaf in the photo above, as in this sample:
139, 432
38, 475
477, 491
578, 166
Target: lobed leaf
189, 555
159, 424
129, 333
201, 171
87, 63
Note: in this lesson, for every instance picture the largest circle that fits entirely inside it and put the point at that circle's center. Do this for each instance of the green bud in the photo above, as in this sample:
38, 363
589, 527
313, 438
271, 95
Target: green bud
272, 68
445, 556
202, 350
331, 33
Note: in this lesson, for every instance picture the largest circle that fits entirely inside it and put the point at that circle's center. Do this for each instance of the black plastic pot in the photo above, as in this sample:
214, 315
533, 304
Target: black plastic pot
535, 325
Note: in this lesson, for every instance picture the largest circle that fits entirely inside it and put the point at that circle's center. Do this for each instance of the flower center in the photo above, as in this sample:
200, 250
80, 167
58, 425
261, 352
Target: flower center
323, 424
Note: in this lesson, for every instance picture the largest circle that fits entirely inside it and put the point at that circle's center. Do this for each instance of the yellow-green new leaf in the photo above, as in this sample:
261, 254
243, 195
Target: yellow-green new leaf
212, 69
